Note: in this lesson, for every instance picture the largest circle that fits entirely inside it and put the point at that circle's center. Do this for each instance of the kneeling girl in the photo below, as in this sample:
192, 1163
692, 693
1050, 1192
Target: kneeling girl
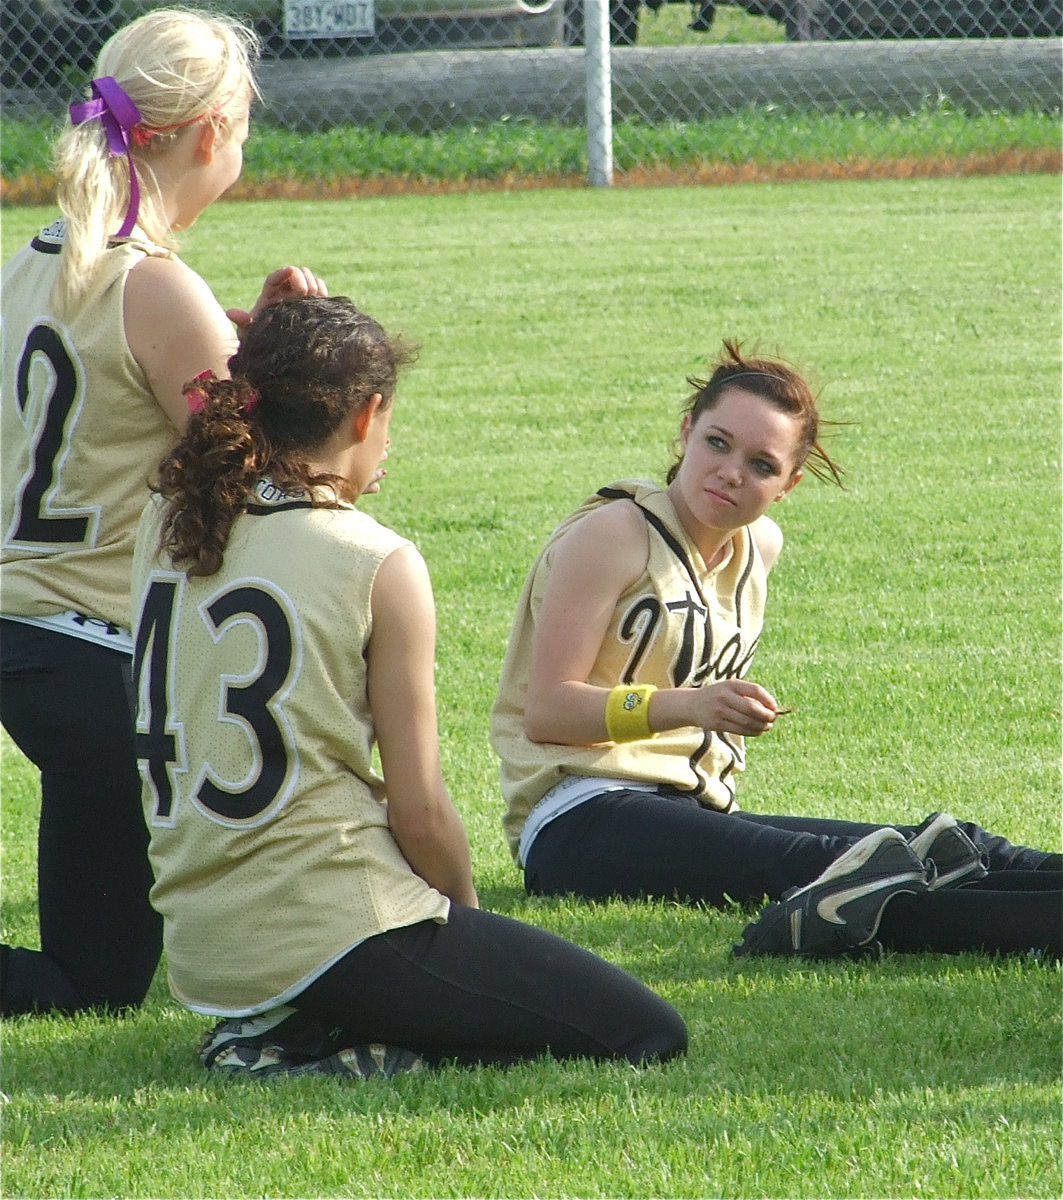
321, 905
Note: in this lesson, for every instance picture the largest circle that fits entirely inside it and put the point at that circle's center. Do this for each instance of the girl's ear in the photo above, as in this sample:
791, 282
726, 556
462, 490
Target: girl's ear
363, 418
684, 431
795, 479
207, 137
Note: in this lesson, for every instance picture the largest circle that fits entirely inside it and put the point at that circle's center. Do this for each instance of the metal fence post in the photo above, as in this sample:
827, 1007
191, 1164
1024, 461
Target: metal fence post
598, 62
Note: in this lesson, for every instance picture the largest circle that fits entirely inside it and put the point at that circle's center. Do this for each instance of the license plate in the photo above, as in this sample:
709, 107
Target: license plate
339, 19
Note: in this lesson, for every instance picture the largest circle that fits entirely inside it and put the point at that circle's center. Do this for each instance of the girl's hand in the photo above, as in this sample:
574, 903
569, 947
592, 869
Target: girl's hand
286, 283
732, 706
374, 484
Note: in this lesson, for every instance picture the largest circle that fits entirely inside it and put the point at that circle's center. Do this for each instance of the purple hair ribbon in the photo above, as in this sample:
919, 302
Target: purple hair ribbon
119, 115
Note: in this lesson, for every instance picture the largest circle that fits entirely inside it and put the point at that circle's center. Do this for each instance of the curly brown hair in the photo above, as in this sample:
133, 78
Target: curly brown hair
302, 368
782, 386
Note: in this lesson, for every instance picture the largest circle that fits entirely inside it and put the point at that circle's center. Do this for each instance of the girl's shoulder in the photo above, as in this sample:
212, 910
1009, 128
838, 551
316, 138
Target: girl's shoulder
162, 271
619, 515
615, 507
163, 288
610, 525
768, 538
605, 547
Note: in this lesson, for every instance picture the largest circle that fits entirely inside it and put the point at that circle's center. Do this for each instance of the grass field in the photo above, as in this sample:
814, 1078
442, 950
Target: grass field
914, 625
748, 146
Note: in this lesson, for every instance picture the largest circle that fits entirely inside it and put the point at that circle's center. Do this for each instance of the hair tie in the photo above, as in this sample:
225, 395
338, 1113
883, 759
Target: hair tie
142, 134
118, 114
197, 397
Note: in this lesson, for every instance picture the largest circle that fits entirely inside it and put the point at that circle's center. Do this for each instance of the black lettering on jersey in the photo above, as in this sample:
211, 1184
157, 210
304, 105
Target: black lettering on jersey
253, 701
733, 658
724, 777
35, 522
731, 662
640, 621
695, 764
737, 762
696, 643
704, 667
159, 741
694, 623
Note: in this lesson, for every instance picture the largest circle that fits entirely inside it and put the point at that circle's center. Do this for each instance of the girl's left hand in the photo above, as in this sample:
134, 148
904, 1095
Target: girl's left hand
286, 283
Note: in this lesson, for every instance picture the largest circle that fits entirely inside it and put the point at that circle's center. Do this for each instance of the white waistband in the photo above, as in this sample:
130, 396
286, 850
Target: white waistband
572, 791
89, 629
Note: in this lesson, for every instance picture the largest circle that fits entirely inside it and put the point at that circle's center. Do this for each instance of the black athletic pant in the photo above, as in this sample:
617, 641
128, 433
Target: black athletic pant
641, 844
484, 988
66, 703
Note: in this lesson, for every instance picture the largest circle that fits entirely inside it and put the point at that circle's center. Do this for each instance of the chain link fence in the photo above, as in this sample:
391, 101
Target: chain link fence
698, 91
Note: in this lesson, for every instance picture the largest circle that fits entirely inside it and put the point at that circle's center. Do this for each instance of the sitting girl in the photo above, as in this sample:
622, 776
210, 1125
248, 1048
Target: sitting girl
625, 701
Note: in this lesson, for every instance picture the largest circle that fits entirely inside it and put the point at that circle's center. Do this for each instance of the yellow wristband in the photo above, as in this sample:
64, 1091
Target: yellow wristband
627, 712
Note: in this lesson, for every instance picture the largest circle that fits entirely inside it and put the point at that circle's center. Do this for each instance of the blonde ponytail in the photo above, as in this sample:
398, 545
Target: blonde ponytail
178, 67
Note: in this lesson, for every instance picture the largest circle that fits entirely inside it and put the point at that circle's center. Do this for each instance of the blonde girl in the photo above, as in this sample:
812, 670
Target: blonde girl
103, 323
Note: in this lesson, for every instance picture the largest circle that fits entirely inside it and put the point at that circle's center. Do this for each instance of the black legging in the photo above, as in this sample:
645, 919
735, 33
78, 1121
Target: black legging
484, 988
640, 844
65, 703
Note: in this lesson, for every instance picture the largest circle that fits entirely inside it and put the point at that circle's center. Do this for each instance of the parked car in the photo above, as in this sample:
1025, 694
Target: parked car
50, 42
847, 20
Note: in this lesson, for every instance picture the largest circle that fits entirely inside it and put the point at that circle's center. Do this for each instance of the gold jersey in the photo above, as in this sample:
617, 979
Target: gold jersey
269, 828
80, 432
679, 625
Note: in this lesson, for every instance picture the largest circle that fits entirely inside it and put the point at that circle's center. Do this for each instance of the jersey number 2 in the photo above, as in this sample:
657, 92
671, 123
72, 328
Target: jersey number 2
34, 523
